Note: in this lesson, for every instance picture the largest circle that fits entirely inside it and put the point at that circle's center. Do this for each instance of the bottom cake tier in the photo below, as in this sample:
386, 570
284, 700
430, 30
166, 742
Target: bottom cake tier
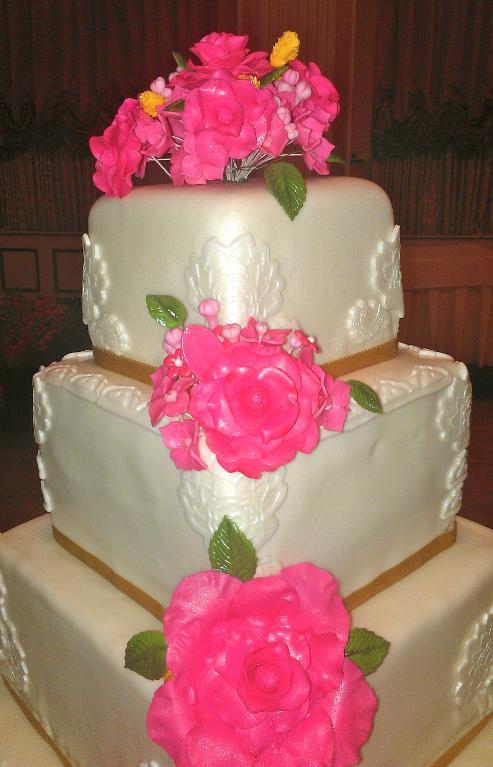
63, 632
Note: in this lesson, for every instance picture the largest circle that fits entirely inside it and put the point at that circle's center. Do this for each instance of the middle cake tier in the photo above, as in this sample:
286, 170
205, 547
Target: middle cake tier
371, 503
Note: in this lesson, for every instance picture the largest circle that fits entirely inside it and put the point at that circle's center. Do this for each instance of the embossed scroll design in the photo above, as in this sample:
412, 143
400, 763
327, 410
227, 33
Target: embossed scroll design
368, 316
474, 673
452, 422
106, 330
242, 276
207, 496
12, 656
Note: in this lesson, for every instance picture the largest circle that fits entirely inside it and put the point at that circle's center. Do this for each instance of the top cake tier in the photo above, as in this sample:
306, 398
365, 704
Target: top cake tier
333, 271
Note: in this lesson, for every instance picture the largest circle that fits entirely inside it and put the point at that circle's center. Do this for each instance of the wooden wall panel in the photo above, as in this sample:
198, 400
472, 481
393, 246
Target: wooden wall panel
45, 262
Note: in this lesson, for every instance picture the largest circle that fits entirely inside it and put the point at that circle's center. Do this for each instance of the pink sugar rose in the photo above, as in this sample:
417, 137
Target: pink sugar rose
228, 113
117, 153
182, 439
124, 147
223, 50
259, 676
255, 402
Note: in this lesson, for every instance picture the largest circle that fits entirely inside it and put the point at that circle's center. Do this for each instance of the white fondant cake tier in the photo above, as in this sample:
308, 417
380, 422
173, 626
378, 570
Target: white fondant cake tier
64, 631
360, 504
334, 270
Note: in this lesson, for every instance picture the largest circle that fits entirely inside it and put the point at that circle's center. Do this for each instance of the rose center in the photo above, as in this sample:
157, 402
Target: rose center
225, 116
266, 677
255, 399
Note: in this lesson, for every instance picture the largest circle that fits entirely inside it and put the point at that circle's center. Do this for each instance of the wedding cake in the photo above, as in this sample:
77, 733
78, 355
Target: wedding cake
289, 456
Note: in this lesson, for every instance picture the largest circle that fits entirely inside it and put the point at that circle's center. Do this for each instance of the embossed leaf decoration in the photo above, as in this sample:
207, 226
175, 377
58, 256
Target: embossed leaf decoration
146, 654
366, 649
166, 310
274, 75
180, 61
231, 552
365, 396
287, 185
336, 158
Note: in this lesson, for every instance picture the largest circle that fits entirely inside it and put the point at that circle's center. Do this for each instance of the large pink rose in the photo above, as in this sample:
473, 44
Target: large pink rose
256, 403
223, 50
230, 113
259, 677
124, 147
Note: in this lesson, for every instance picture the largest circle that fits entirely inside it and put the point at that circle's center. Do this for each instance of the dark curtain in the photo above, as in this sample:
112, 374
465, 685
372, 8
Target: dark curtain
433, 123
65, 66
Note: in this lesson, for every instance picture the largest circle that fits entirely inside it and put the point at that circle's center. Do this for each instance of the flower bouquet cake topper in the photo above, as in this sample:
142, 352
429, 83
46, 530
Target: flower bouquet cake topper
222, 115
258, 672
251, 395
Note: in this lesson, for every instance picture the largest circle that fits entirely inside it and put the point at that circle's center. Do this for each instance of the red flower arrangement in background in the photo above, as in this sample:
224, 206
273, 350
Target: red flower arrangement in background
29, 325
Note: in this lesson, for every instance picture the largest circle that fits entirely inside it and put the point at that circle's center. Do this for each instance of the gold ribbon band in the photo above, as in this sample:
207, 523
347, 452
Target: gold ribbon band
406, 567
141, 371
36, 724
443, 761
122, 584
364, 359
357, 598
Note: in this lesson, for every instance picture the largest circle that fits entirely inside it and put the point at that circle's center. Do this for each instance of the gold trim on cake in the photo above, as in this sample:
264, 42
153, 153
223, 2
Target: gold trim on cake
375, 355
453, 752
443, 761
406, 567
357, 598
141, 371
122, 584
123, 365
36, 724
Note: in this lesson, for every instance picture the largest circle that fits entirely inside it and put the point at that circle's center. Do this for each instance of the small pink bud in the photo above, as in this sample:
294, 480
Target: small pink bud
210, 309
292, 131
158, 86
261, 328
303, 91
283, 87
284, 115
231, 332
172, 340
291, 77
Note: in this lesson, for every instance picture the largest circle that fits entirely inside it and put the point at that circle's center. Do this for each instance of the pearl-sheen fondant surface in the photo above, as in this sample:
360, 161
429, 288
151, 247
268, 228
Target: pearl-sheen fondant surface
334, 270
95, 709
362, 502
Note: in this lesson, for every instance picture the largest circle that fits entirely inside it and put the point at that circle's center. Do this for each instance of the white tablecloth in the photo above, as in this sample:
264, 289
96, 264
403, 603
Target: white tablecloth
21, 746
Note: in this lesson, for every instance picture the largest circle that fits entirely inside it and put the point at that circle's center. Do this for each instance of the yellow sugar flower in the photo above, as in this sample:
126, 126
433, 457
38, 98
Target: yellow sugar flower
253, 79
286, 49
149, 101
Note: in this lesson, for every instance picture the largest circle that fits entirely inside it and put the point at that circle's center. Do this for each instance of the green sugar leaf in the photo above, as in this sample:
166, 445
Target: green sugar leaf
274, 75
175, 106
287, 185
366, 649
231, 552
180, 61
365, 396
333, 157
166, 310
146, 654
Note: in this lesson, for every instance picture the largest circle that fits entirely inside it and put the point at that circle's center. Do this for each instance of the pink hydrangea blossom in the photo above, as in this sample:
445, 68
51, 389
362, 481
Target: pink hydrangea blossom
259, 676
182, 439
170, 396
